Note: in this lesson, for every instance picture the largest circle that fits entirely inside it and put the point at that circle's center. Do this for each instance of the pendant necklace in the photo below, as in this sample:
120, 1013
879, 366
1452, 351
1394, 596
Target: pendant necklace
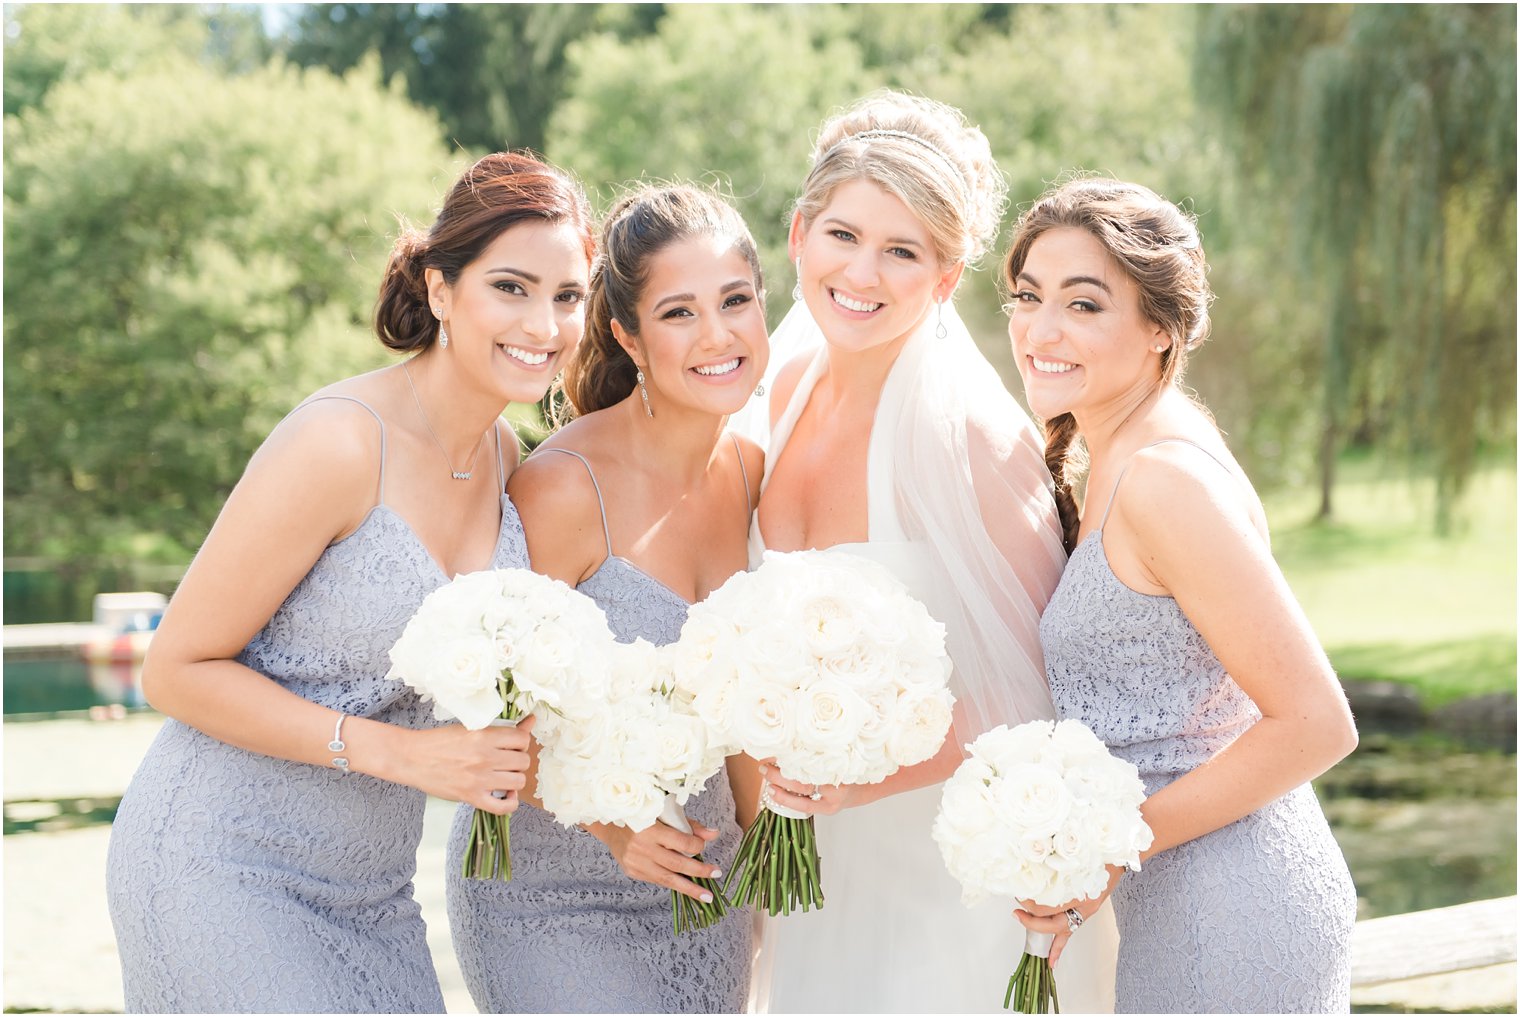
456, 474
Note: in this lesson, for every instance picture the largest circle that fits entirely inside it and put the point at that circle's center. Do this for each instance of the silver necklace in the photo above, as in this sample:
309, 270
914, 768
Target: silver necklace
456, 474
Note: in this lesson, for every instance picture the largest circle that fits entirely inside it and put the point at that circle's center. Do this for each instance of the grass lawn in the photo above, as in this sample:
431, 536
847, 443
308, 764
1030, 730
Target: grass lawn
1391, 600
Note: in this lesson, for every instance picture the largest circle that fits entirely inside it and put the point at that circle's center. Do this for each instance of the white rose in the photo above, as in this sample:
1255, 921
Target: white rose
464, 685
763, 718
627, 797
829, 715
829, 625
1033, 799
923, 721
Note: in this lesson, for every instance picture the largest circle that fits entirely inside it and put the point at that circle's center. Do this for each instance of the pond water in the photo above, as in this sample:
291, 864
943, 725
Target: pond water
1424, 821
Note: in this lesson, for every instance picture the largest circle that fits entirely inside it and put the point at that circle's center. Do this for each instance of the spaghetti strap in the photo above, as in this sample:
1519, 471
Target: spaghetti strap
600, 505
1163, 441
378, 420
501, 469
743, 472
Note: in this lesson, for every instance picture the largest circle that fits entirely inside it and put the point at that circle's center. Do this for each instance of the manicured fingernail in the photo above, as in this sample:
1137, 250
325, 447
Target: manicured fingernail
707, 898
716, 874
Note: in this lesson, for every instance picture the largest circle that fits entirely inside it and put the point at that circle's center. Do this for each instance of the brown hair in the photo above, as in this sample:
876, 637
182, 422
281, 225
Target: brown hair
644, 222
926, 154
498, 192
1158, 246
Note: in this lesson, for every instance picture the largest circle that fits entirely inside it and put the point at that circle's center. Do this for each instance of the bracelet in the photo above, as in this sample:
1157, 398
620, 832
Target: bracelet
336, 745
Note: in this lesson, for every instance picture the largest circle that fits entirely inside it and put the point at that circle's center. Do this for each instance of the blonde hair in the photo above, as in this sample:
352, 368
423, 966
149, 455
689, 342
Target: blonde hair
926, 154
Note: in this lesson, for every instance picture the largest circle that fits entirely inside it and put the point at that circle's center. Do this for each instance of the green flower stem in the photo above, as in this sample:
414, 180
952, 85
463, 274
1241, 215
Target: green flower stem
689, 914
488, 852
777, 866
1032, 988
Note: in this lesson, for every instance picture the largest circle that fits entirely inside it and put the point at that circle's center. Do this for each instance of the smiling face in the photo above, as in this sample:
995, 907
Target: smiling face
516, 312
1081, 341
869, 271
702, 341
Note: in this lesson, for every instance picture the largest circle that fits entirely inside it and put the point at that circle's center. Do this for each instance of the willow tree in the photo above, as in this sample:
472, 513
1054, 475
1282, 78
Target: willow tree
1383, 138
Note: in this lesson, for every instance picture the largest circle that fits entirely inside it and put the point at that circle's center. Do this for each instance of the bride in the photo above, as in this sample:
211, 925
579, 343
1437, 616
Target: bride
891, 436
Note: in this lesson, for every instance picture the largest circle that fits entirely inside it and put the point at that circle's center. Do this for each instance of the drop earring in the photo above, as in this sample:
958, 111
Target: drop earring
940, 330
644, 394
443, 337
760, 389
797, 286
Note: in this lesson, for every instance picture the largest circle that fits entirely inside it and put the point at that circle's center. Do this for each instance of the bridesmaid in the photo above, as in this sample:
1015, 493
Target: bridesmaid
642, 503
263, 855
1173, 634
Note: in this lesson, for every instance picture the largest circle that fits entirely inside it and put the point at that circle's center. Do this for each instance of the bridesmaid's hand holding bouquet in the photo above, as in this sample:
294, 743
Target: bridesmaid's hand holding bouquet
1041, 813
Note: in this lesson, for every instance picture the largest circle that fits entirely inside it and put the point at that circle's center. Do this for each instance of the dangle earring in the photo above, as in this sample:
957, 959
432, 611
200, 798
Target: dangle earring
443, 333
797, 286
939, 321
644, 394
760, 389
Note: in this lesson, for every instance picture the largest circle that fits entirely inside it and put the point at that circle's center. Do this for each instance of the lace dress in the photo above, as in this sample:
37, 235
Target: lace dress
893, 936
239, 882
571, 933
1255, 917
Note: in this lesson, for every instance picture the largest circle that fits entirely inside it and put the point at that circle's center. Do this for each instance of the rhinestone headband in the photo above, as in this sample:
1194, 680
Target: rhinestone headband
882, 132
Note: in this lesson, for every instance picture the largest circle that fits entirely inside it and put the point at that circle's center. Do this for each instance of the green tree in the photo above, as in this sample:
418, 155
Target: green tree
492, 72
186, 255
730, 93
48, 43
1382, 138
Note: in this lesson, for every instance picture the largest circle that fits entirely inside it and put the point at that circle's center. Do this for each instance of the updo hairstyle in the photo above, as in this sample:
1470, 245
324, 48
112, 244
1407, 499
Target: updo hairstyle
927, 155
638, 227
498, 192
1157, 245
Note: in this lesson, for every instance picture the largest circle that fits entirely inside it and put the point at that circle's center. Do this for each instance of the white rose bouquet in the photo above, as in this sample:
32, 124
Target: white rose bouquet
822, 661
636, 759
492, 647
1038, 812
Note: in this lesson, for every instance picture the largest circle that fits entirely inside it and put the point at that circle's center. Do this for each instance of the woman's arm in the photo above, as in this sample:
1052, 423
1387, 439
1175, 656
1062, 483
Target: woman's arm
1193, 535
557, 503
311, 483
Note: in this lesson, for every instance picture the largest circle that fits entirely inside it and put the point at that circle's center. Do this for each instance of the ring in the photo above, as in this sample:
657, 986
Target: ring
816, 795
498, 794
1074, 919
765, 794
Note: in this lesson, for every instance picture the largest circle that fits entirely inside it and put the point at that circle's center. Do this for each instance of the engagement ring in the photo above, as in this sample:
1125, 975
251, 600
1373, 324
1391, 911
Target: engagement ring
1074, 919
816, 795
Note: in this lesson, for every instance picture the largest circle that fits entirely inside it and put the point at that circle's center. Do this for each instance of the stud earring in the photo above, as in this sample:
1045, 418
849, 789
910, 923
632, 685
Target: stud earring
443, 337
1159, 349
644, 394
760, 389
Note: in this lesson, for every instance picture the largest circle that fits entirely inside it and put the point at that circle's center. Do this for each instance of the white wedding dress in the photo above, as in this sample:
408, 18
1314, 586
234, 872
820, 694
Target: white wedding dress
893, 935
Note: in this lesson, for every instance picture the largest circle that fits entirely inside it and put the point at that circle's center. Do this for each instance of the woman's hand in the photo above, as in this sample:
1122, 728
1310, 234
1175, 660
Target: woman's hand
1053, 920
661, 855
454, 762
813, 799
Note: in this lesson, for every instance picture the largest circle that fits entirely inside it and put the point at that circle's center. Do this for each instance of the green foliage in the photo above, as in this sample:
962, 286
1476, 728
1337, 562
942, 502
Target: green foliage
493, 72
1380, 140
48, 43
187, 254
727, 94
